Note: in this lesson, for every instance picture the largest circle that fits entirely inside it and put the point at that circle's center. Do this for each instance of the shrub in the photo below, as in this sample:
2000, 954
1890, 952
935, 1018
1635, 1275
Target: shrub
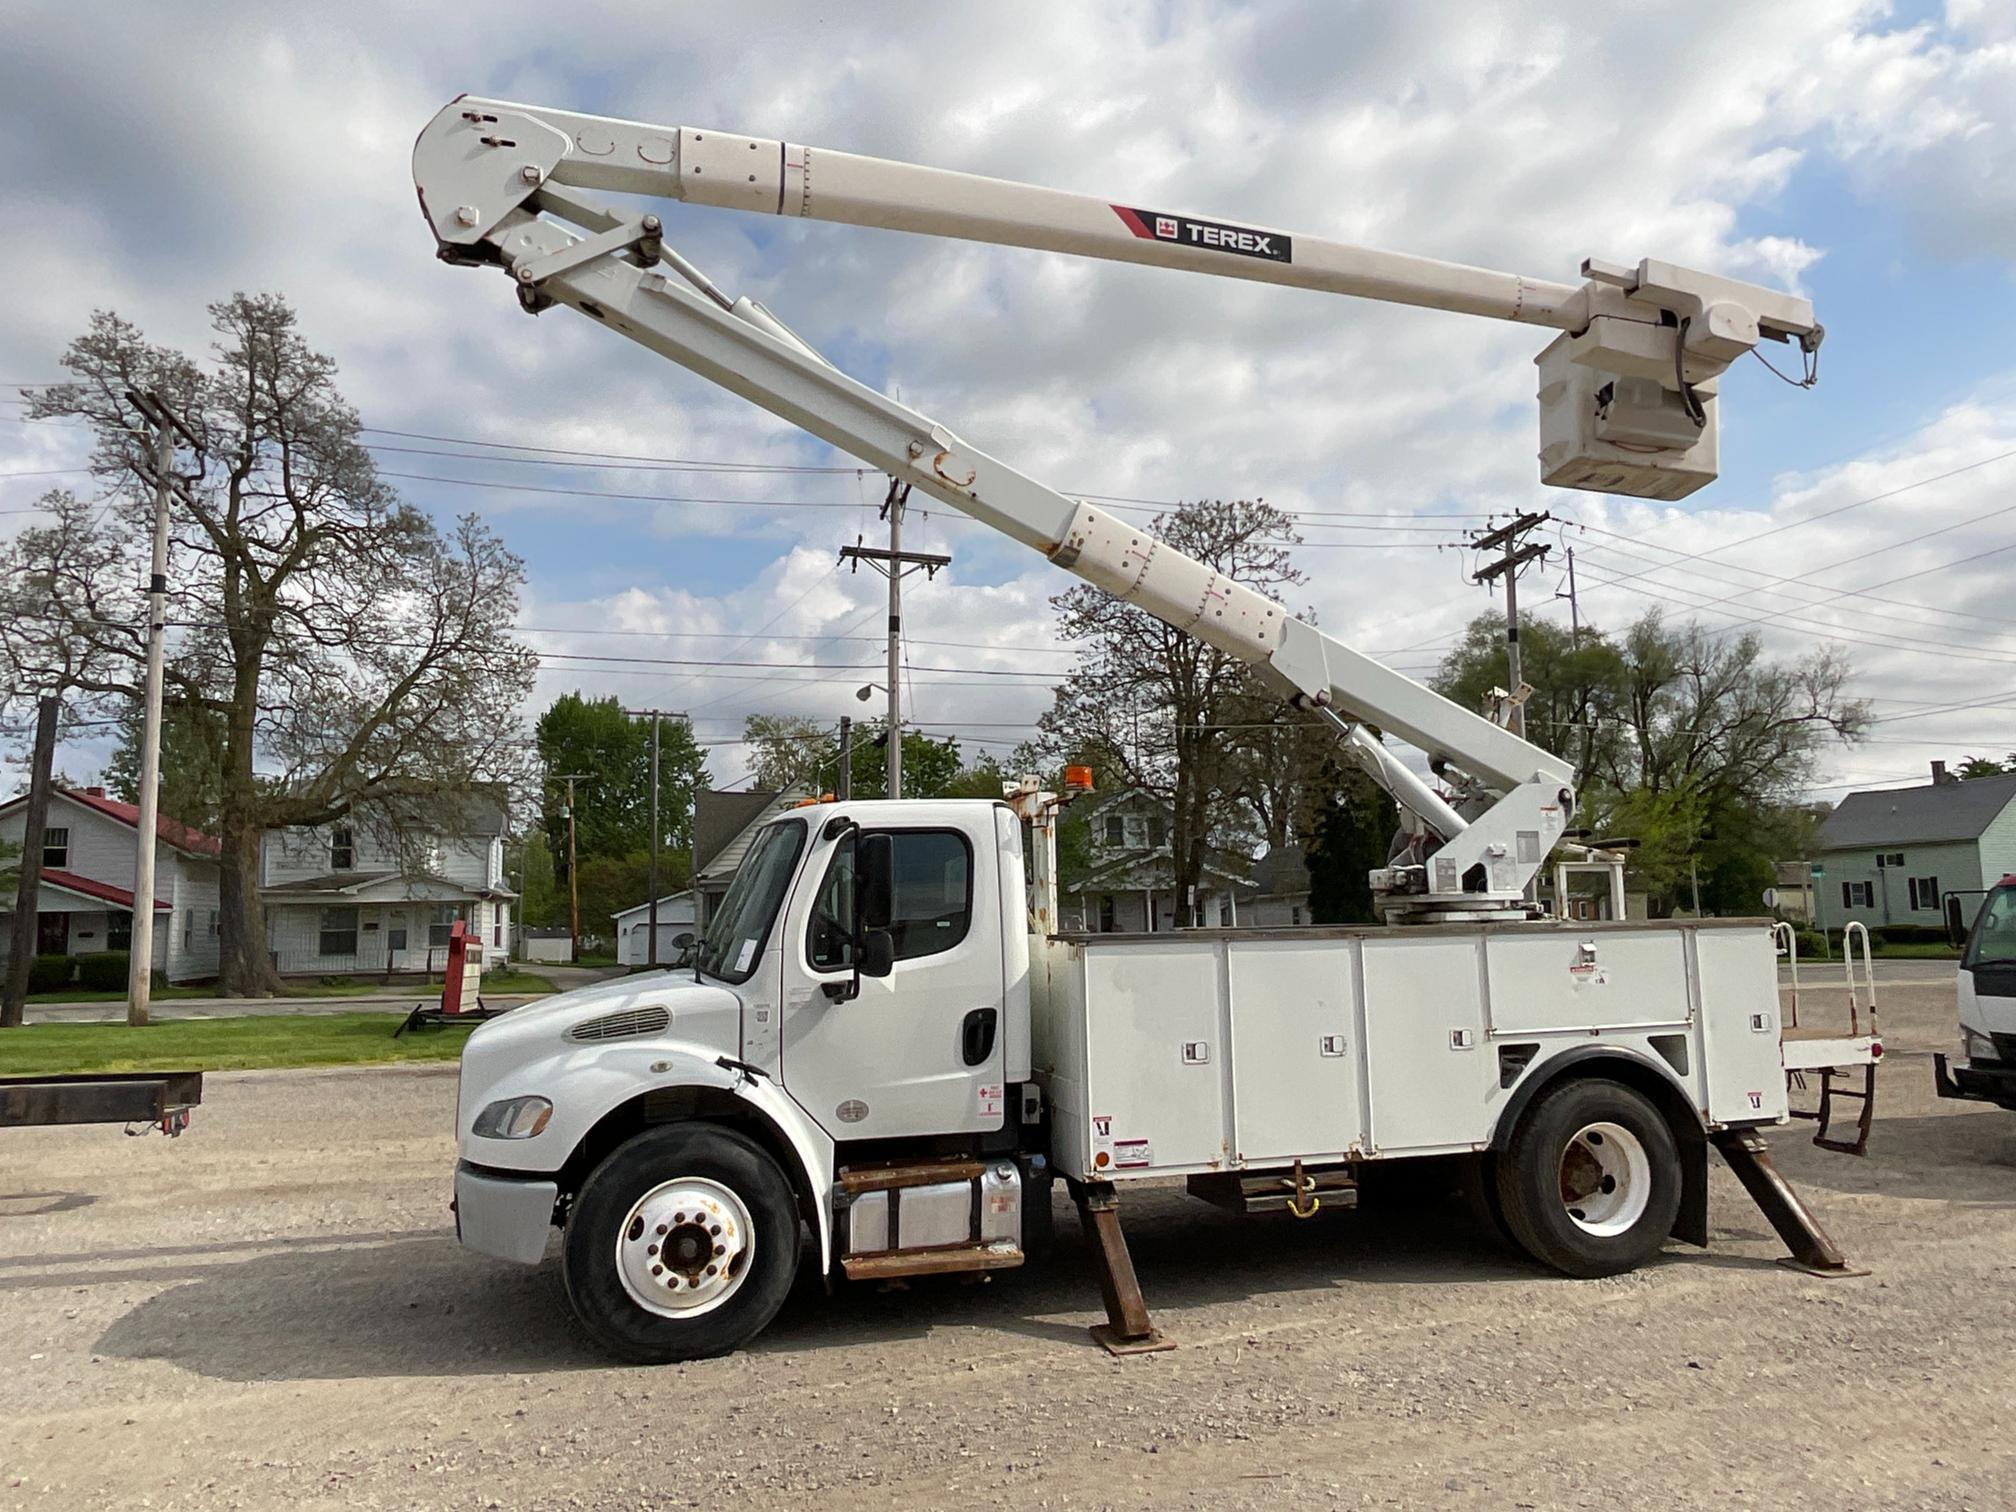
1909, 934
104, 971
50, 973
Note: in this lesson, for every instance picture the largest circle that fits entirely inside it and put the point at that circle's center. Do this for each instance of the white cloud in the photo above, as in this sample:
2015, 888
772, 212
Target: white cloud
163, 162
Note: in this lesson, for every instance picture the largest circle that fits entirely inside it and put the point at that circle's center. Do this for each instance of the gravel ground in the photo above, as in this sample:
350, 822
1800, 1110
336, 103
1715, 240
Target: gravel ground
272, 1312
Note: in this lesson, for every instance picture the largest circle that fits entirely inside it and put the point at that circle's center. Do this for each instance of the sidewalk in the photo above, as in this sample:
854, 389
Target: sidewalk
391, 1000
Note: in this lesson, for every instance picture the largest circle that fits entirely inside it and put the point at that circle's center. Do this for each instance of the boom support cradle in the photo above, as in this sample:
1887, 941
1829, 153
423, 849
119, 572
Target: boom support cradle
495, 179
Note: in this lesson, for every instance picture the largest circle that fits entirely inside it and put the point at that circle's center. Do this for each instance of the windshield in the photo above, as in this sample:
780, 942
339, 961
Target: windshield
1994, 942
735, 936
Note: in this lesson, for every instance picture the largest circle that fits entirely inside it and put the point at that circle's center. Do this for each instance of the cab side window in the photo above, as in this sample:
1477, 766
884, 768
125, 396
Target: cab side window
933, 898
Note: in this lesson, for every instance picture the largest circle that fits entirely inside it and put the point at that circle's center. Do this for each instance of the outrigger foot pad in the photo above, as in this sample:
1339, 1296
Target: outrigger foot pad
1127, 1329
1813, 1252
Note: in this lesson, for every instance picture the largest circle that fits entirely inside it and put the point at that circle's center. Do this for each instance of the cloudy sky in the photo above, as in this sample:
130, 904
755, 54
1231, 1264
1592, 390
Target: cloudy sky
161, 157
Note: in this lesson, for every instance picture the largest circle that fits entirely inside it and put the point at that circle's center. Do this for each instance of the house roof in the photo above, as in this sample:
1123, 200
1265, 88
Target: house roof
684, 895
724, 823
414, 887
1282, 872
87, 887
1917, 815
170, 831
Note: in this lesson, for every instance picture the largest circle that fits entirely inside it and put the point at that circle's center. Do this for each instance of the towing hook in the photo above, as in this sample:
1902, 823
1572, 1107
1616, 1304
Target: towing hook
1305, 1190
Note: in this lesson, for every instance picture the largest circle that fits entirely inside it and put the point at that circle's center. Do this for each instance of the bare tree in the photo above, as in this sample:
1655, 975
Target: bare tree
333, 647
1173, 716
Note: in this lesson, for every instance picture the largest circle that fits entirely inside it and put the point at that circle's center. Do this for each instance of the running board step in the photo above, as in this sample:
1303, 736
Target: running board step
855, 1180
931, 1262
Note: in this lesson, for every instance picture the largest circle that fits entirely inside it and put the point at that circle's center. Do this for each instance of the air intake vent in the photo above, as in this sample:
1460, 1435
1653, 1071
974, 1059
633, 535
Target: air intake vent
628, 1024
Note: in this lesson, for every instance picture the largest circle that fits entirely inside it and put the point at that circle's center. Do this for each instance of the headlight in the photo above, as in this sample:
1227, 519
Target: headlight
1977, 1047
513, 1118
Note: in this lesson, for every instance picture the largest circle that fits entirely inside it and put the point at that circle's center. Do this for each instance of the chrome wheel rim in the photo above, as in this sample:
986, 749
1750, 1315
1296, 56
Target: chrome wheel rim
1606, 1179
685, 1247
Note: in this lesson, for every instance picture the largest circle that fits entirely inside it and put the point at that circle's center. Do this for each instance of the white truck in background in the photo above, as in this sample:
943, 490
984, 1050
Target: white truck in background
1985, 1069
887, 1043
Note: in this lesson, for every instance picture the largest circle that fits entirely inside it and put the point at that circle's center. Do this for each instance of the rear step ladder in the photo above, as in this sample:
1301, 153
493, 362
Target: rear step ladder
1841, 1062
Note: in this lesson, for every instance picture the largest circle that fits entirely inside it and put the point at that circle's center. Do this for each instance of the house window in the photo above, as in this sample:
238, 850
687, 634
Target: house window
1925, 892
1890, 858
1137, 831
1858, 894
1158, 831
342, 850
119, 931
56, 849
1107, 919
1116, 830
213, 923
339, 932
1294, 913
442, 925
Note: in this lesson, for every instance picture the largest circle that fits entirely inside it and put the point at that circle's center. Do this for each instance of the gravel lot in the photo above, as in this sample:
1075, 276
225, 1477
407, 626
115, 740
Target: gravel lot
272, 1312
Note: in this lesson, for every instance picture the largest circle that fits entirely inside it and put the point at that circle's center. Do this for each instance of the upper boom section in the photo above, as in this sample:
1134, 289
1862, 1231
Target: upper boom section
1628, 401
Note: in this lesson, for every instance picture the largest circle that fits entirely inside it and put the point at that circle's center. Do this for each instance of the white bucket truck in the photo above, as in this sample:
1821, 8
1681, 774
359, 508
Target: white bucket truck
888, 1045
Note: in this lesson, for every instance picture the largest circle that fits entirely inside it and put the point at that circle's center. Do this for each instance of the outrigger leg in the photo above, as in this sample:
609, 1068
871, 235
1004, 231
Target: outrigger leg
1127, 1329
1812, 1250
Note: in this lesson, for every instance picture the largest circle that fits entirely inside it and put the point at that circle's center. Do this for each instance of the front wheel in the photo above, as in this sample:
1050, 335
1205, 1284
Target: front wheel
1590, 1183
680, 1245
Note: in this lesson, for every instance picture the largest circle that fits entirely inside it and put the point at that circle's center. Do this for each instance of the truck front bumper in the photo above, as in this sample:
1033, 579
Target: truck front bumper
1975, 1082
505, 1216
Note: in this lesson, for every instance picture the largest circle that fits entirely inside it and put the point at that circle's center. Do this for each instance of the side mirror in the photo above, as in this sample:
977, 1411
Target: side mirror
875, 953
1956, 922
874, 883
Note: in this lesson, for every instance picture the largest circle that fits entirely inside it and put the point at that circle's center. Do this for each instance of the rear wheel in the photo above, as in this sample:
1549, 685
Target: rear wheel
680, 1245
1590, 1183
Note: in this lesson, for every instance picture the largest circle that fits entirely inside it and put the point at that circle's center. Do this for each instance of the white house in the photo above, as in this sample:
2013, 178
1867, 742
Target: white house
85, 903
677, 915
377, 892
1130, 886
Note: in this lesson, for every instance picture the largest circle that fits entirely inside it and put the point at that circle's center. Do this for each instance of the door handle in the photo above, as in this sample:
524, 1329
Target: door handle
976, 1036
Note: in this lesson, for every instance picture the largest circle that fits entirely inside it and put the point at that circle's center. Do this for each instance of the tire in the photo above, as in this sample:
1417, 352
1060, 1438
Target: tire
1591, 1181
716, 1196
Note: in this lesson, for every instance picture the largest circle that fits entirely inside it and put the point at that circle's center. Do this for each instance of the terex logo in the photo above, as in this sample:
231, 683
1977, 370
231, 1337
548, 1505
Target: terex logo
1151, 225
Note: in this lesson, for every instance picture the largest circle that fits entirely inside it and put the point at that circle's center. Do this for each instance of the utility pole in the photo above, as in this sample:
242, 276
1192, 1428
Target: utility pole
893, 564
26, 895
1574, 604
1516, 556
573, 871
654, 715
140, 968
843, 781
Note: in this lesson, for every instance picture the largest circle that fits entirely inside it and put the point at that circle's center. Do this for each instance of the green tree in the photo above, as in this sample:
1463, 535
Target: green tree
789, 749
192, 784
1351, 835
1971, 767
342, 648
539, 899
1695, 744
594, 737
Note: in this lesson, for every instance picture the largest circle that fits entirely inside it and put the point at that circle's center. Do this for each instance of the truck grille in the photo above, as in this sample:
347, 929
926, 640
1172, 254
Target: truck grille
628, 1024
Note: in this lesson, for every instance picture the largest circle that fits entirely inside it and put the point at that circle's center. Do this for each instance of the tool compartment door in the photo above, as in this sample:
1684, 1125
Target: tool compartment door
1155, 1061
1295, 1043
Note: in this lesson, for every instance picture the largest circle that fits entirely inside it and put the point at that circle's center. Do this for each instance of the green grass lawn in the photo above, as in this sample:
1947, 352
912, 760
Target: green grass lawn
222, 1044
495, 982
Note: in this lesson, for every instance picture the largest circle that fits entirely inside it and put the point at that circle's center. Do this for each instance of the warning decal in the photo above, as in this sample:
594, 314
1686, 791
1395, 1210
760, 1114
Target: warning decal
1131, 1152
1213, 236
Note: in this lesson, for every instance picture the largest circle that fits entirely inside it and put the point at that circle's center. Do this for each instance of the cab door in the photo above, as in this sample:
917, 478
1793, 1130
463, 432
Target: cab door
918, 1051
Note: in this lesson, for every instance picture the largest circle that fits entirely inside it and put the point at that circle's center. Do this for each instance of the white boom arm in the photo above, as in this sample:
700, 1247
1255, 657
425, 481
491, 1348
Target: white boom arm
487, 170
